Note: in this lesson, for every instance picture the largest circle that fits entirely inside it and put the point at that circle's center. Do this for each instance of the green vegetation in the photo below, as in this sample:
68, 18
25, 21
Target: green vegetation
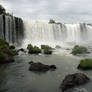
14, 52
79, 50
51, 21
2, 55
47, 51
33, 50
2, 10
45, 47
6, 55
2, 42
85, 64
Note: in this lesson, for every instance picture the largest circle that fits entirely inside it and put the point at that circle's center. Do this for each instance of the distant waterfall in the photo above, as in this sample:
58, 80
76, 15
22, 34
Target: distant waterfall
11, 28
57, 34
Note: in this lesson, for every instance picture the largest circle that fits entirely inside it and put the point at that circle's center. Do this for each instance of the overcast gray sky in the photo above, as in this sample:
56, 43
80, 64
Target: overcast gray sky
68, 11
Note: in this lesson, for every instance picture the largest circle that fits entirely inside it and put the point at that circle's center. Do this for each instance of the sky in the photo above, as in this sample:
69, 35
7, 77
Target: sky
67, 11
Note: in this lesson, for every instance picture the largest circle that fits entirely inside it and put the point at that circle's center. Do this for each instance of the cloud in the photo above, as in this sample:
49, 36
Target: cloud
69, 11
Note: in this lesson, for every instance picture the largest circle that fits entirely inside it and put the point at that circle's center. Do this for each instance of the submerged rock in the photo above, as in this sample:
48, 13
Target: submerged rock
73, 80
21, 50
40, 67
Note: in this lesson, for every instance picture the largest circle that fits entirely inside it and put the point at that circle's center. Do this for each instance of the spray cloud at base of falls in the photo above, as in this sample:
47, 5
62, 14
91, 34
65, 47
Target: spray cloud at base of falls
64, 35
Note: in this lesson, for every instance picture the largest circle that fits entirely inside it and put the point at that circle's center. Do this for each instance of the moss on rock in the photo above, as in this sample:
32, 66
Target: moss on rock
85, 64
47, 51
45, 47
33, 49
79, 50
6, 55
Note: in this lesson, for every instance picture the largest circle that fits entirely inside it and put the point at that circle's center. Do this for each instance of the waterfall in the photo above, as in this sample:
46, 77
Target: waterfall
1, 27
57, 34
11, 29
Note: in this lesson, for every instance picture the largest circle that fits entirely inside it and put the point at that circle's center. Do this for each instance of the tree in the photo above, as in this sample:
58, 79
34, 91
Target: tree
2, 10
51, 21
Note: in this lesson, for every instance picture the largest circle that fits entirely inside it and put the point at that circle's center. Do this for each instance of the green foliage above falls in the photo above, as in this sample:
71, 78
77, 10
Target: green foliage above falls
79, 50
51, 21
2, 10
85, 64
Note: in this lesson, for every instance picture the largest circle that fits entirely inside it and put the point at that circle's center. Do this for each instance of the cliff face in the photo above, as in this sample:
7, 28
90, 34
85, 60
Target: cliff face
11, 29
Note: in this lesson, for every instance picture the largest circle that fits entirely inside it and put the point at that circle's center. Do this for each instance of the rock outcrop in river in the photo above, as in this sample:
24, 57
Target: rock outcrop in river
40, 67
73, 80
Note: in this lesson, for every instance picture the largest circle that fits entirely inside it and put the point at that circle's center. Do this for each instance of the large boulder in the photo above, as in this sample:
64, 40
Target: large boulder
6, 55
40, 67
73, 80
85, 64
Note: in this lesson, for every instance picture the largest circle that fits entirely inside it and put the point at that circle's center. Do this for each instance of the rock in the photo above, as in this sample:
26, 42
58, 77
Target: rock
76, 90
22, 50
41, 67
53, 67
73, 80
31, 62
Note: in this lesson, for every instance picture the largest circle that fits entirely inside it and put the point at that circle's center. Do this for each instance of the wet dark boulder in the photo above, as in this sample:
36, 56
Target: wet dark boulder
40, 67
73, 80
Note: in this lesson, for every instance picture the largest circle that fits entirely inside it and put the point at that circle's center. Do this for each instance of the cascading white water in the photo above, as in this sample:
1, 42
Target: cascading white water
57, 34
1, 27
11, 29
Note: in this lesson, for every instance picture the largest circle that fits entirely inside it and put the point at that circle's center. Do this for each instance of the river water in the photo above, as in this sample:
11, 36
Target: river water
16, 77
